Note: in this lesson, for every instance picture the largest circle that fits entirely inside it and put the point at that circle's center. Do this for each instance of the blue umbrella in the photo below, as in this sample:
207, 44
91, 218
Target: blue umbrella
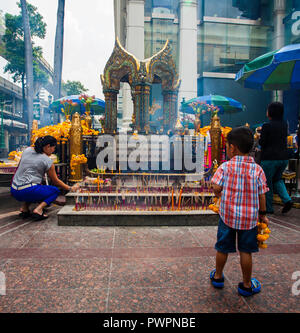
225, 104
97, 107
276, 70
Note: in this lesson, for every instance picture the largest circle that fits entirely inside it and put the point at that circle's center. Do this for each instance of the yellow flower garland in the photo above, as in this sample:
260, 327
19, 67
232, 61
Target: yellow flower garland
215, 206
76, 160
61, 131
225, 130
262, 234
15, 155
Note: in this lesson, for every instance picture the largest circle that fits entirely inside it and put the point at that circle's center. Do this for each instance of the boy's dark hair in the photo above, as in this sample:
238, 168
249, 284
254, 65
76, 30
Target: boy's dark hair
275, 110
43, 141
242, 138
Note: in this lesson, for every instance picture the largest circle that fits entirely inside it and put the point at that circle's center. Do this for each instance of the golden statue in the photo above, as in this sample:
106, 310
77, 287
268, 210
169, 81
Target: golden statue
76, 145
197, 124
215, 135
178, 127
34, 127
186, 130
88, 120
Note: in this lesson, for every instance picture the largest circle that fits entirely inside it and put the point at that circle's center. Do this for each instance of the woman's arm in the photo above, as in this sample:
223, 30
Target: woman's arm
57, 182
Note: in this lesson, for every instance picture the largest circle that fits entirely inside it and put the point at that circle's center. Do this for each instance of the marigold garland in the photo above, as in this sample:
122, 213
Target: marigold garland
225, 130
76, 160
215, 206
15, 155
86, 130
61, 131
262, 234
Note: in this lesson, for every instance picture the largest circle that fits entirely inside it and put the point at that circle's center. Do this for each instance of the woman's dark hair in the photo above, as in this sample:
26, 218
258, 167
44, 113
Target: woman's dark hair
275, 110
242, 138
43, 141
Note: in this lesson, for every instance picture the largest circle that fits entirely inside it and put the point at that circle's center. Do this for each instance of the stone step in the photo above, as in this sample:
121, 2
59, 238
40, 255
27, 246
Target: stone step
68, 217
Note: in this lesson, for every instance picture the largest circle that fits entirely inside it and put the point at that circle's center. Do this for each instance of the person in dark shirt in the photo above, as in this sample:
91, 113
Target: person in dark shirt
274, 155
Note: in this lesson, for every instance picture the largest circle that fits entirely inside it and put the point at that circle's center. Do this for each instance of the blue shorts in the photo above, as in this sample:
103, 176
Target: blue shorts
36, 193
226, 239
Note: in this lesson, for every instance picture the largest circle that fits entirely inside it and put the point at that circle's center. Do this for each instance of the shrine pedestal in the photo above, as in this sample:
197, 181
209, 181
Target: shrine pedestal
68, 217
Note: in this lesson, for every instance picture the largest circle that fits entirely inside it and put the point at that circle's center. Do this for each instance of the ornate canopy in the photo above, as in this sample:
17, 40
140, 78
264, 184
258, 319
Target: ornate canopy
122, 66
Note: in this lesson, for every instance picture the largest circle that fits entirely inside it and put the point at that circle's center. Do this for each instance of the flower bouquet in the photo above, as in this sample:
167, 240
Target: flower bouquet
87, 101
67, 108
201, 108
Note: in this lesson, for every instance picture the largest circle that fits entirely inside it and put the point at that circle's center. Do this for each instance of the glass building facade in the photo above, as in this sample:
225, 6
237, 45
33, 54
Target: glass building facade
230, 33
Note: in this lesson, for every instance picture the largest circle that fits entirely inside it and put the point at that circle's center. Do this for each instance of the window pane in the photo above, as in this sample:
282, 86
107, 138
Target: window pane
226, 47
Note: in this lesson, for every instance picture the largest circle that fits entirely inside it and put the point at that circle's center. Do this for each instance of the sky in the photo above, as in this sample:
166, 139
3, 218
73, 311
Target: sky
88, 37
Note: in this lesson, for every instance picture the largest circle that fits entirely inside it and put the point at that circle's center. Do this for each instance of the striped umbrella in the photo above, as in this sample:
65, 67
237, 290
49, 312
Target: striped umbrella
276, 70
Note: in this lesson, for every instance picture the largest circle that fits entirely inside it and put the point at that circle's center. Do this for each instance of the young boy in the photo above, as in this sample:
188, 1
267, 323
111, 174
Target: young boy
241, 184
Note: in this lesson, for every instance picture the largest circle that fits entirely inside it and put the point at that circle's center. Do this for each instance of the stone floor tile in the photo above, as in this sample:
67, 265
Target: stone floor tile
56, 274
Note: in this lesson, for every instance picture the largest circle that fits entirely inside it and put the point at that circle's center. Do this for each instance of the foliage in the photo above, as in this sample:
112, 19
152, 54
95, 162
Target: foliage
74, 88
14, 51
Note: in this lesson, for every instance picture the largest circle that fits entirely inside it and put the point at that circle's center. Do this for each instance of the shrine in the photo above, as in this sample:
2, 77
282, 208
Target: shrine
140, 74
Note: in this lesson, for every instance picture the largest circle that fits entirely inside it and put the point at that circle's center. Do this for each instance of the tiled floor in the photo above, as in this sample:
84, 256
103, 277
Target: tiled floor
49, 268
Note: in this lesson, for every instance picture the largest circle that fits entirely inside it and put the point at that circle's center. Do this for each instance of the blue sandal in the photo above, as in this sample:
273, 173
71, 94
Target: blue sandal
255, 288
217, 283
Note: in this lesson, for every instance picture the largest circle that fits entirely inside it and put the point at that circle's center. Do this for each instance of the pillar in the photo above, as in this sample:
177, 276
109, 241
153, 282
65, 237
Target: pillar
188, 49
110, 110
169, 109
141, 107
134, 45
278, 36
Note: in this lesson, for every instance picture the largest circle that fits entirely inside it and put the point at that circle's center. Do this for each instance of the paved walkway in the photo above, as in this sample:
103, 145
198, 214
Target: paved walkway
49, 268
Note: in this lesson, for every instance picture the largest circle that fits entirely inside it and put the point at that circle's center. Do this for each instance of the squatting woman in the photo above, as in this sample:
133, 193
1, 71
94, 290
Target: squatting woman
26, 186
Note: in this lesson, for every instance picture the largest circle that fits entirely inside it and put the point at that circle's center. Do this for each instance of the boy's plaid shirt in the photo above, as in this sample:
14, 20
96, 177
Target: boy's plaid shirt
242, 181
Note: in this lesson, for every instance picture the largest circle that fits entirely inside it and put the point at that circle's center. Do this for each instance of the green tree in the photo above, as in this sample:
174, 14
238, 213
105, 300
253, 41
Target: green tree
14, 51
74, 88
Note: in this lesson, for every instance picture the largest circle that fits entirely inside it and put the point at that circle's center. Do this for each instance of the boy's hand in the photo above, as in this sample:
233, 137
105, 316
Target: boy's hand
217, 190
264, 219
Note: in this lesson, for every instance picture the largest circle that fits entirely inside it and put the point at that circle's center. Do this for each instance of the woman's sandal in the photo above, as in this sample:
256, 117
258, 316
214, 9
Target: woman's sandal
255, 288
217, 283
24, 215
38, 217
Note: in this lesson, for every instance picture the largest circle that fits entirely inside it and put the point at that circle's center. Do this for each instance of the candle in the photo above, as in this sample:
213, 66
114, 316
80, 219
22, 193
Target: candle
179, 198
